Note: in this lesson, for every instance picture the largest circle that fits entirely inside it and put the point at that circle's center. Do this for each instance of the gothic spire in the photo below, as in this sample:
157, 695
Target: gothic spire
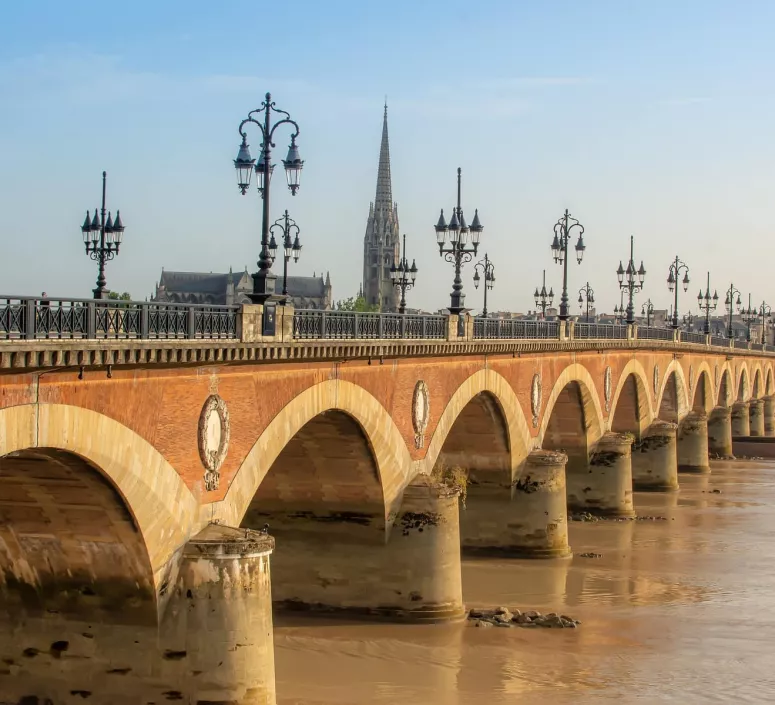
384, 198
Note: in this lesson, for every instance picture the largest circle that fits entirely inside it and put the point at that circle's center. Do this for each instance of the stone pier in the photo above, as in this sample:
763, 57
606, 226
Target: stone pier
654, 459
607, 486
692, 446
769, 416
528, 519
741, 425
212, 643
354, 564
720, 432
756, 417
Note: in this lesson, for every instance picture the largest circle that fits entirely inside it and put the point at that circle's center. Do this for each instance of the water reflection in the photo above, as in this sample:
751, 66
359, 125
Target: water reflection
679, 610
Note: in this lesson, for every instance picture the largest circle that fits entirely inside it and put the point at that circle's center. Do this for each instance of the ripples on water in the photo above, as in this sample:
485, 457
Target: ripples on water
676, 611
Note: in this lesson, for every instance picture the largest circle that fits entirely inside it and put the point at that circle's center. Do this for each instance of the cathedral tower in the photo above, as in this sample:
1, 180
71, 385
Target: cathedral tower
381, 244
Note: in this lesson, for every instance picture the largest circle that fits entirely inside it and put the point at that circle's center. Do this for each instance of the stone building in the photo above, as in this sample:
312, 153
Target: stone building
228, 289
381, 242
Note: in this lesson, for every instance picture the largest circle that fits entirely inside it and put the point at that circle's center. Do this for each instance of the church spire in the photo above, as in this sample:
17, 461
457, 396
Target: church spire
384, 198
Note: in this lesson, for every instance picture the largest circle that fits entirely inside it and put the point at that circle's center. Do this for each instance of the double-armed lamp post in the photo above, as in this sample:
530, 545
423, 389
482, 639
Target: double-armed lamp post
488, 274
674, 273
731, 304
291, 247
264, 280
543, 299
458, 252
631, 281
102, 238
403, 276
765, 314
750, 315
586, 293
563, 230
707, 303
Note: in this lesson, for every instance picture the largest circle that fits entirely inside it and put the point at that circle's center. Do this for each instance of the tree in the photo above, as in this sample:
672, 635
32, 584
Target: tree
355, 303
126, 296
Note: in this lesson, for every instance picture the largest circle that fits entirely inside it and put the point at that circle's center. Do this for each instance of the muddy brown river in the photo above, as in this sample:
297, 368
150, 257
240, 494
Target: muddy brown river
674, 611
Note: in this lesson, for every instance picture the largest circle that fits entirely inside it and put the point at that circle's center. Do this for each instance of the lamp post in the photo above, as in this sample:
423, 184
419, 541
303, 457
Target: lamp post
765, 313
707, 303
562, 234
488, 271
403, 276
731, 304
688, 321
291, 248
542, 298
750, 315
631, 281
263, 280
102, 239
458, 253
674, 273
647, 310
587, 294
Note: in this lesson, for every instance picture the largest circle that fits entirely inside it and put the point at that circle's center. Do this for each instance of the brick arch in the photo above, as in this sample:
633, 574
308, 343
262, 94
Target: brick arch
743, 387
162, 507
724, 396
703, 397
394, 464
756, 390
631, 408
490, 383
591, 410
673, 394
70, 545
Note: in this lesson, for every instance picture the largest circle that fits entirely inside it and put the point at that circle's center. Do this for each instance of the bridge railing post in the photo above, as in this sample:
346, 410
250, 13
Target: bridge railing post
249, 323
30, 319
676, 335
632, 331
144, 323
566, 329
91, 320
452, 321
191, 323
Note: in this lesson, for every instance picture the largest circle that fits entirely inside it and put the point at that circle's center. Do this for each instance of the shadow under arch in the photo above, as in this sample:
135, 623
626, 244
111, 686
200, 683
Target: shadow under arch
756, 391
768, 381
673, 394
631, 409
725, 389
743, 386
163, 508
393, 461
70, 545
492, 396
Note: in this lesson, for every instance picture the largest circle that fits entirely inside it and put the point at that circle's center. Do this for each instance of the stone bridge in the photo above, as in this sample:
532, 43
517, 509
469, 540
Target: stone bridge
139, 477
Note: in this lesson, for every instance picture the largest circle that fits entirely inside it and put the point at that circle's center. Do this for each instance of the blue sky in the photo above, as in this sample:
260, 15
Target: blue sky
644, 118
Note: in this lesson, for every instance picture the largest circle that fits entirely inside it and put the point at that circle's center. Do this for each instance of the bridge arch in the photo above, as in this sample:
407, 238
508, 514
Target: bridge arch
391, 456
768, 390
743, 384
724, 397
631, 408
756, 391
480, 387
673, 394
111, 465
702, 394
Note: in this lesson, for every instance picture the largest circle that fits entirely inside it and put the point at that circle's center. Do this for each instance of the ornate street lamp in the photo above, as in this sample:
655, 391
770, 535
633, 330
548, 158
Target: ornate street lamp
631, 280
731, 304
672, 282
647, 310
587, 294
403, 276
102, 239
562, 234
543, 299
618, 314
688, 321
291, 247
707, 303
458, 252
263, 279
488, 271
765, 313
750, 315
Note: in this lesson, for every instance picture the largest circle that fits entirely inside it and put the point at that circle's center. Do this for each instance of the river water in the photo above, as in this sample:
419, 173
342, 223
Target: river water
674, 611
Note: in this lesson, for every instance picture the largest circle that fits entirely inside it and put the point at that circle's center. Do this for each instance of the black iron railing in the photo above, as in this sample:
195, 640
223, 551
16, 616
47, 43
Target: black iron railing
652, 333
613, 331
35, 318
505, 328
353, 325
741, 344
719, 341
690, 337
